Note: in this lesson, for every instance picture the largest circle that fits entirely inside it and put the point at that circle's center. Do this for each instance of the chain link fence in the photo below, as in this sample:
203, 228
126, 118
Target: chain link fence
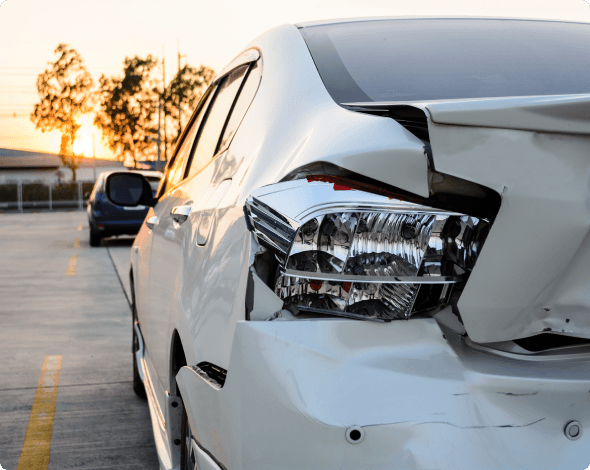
25, 196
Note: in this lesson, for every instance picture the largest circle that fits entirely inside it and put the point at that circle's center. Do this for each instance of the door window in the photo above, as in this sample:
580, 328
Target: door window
177, 165
216, 118
242, 104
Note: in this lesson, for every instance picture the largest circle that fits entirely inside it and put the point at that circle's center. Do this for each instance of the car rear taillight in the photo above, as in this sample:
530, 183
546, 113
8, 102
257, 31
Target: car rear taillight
356, 251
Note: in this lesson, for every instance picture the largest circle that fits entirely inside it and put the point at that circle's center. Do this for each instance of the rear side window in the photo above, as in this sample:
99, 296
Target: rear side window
177, 166
242, 104
216, 118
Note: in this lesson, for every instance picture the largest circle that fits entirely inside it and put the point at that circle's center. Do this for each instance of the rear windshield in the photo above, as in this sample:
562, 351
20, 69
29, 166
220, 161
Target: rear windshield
434, 59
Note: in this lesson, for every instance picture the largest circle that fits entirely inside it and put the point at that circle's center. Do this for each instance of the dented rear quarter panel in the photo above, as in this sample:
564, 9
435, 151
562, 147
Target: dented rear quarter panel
425, 402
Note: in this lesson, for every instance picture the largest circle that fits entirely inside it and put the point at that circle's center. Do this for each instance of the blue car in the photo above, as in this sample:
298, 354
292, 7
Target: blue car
107, 219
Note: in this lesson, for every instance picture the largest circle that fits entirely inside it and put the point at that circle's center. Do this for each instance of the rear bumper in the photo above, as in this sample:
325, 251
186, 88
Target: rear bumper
115, 227
424, 402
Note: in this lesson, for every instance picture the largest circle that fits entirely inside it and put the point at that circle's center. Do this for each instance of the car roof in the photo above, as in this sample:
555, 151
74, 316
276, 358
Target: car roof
307, 24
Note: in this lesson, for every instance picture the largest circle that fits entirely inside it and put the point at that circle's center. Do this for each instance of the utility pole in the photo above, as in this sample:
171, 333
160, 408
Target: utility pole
164, 97
179, 92
94, 156
158, 141
159, 138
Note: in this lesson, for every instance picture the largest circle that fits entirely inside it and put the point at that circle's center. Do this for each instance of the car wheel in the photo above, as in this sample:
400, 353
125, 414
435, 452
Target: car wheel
187, 458
94, 237
138, 386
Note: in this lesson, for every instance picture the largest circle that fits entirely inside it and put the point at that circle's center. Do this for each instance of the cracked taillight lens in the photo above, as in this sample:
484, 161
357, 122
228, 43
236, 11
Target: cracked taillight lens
349, 252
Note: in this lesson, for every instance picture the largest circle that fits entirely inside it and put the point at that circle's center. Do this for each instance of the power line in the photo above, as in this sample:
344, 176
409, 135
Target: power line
25, 67
17, 67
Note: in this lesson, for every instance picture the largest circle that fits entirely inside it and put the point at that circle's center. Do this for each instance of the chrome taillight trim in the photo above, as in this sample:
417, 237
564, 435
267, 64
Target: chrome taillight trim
309, 199
371, 279
373, 250
386, 207
270, 228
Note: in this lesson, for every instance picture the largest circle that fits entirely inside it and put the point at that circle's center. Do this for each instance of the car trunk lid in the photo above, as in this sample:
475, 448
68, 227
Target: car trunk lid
532, 275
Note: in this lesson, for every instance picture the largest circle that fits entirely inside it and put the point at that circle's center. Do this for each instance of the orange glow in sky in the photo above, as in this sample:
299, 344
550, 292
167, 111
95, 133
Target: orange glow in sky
210, 33
83, 142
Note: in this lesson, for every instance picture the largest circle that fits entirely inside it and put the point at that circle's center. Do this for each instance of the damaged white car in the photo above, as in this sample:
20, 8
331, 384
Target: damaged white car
371, 250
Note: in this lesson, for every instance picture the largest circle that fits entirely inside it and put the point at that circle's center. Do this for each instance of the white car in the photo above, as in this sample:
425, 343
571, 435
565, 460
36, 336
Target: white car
371, 250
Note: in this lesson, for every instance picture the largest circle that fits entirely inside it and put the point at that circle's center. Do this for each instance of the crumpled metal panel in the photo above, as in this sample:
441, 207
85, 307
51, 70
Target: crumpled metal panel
532, 274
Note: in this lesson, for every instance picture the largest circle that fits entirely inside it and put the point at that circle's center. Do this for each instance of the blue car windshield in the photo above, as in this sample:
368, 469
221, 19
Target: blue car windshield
434, 59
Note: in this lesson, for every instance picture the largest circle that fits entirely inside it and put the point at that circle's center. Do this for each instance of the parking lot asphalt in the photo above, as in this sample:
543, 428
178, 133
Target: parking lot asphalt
65, 348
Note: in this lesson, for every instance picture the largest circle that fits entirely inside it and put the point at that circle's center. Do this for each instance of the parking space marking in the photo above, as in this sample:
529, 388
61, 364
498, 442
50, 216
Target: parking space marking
77, 243
72, 266
37, 444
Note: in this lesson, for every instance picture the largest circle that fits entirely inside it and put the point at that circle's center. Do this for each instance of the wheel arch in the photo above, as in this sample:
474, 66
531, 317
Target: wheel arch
177, 361
131, 286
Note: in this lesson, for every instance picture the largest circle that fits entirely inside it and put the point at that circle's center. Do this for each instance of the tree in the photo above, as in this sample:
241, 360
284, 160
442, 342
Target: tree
186, 88
126, 109
65, 92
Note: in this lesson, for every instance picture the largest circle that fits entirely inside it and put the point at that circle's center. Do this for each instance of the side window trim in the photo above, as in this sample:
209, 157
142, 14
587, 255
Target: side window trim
231, 110
246, 57
246, 92
189, 160
249, 57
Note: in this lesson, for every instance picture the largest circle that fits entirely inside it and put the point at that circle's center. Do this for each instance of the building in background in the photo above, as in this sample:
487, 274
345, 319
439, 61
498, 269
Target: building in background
41, 167
155, 165
32, 181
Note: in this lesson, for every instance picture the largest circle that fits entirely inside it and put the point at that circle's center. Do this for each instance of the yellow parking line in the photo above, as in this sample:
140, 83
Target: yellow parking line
36, 448
72, 266
77, 243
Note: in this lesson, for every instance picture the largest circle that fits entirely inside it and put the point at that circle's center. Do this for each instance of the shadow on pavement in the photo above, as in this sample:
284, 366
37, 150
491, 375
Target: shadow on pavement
119, 241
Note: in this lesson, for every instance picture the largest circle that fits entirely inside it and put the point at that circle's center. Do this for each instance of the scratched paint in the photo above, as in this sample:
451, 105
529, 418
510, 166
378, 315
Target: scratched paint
37, 444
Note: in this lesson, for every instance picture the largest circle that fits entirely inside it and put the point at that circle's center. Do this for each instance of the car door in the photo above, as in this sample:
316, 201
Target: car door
160, 265
178, 213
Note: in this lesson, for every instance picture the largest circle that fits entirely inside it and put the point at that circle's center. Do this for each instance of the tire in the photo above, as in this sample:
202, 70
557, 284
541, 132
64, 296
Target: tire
187, 458
138, 386
95, 237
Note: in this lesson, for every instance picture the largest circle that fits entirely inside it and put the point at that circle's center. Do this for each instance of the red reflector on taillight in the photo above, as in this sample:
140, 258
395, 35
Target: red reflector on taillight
315, 284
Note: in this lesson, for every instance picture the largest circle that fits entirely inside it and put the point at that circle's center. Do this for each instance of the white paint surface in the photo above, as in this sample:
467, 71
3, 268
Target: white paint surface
424, 400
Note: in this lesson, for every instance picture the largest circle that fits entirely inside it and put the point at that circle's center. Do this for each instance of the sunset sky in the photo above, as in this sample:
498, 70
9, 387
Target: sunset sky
104, 32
